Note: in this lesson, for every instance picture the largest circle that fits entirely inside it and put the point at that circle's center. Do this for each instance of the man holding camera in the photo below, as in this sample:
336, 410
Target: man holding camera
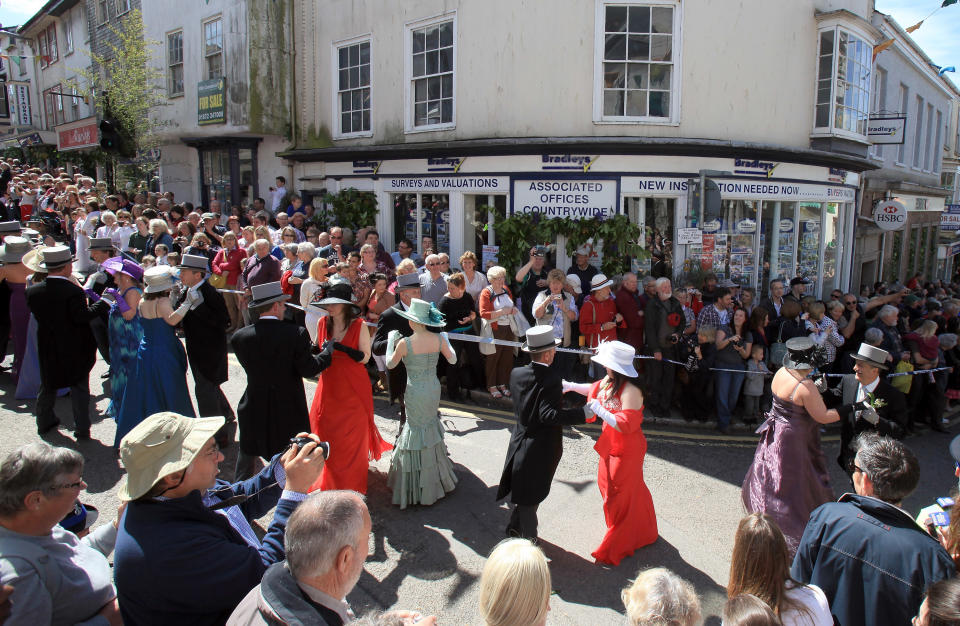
186, 552
275, 354
664, 321
532, 278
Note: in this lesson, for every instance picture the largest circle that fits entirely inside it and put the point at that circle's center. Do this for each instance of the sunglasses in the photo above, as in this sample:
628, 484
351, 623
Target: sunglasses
853, 467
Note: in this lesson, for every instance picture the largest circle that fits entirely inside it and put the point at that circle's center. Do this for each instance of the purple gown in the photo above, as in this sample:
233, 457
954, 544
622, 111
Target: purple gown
19, 320
788, 478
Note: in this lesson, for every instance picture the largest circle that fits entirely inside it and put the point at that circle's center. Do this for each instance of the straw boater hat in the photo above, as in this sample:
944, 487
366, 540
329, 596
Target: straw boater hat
266, 294
14, 249
616, 355
339, 292
55, 257
101, 243
158, 279
871, 355
162, 444
539, 339
194, 262
599, 281
33, 259
801, 354
423, 312
408, 281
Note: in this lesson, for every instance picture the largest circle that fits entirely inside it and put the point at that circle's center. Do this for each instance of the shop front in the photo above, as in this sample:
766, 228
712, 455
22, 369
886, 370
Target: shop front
228, 169
774, 220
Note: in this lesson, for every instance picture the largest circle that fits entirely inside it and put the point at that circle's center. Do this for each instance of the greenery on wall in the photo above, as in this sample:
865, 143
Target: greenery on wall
353, 209
618, 236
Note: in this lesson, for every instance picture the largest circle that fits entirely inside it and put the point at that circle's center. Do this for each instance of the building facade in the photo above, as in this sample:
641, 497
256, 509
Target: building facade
227, 69
599, 108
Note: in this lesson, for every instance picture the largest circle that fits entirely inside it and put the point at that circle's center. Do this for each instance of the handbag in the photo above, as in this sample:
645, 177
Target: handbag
217, 281
486, 332
778, 350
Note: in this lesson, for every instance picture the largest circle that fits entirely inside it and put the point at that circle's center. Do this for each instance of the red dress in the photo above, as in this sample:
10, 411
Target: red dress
342, 413
627, 503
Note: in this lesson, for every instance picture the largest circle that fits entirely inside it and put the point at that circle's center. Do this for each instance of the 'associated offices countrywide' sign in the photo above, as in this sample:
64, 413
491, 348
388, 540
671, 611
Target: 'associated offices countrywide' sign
573, 198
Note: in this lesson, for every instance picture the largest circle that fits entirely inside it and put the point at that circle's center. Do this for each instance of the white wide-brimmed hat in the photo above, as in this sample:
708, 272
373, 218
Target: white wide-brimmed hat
574, 281
616, 355
158, 279
599, 281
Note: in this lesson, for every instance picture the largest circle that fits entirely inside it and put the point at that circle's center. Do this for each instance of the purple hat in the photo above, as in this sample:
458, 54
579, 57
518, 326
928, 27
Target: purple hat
124, 266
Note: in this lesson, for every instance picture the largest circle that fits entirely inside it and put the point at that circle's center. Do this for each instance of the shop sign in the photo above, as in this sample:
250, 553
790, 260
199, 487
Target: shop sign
572, 198
754, 167
950, 218
712, 226
747, 225
445, 165
211, 101
366, 167
748, 190
890, 215
84, 135
811, 226
687, 236
20, 96
836, 175
886, 129
33, 139
574, 162
786, 226
486, 184
488, 257
949, 251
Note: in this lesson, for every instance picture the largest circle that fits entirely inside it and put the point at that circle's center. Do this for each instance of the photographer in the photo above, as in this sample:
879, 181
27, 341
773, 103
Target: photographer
186, 552
734, 345
664, 325
532, 278
557, 308
200, 246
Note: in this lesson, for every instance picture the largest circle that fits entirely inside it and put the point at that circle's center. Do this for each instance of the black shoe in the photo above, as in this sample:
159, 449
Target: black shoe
47, 429
82, 435
105, 375
723, 430
938, 427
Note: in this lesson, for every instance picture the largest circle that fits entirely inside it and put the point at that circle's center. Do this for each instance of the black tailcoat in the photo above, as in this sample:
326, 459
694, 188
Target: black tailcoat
389, 320
205, 329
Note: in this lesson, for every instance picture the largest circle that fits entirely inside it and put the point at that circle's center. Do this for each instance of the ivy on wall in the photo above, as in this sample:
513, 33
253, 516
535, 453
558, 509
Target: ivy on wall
353, 209
618, 236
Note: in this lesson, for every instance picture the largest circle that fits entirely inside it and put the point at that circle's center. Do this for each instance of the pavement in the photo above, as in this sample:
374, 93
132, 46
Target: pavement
430, 558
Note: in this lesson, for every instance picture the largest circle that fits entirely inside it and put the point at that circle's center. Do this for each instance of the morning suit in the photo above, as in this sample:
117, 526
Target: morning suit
893, 415
537, 443
390, 320
65, 345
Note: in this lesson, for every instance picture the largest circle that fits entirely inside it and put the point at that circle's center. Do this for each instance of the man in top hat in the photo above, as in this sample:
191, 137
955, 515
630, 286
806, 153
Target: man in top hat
537, 442
205, 328
6, 229
65, 342
408, 288
275, 354
98, 281
865, 387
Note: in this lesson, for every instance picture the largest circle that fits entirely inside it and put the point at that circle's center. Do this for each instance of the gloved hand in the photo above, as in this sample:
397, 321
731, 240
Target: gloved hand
111, 295
598, 409
565, 386
445, 338
868, 414
588, 415
93, 295
194, 297
325, 357
353, 353
821, 383
393, 337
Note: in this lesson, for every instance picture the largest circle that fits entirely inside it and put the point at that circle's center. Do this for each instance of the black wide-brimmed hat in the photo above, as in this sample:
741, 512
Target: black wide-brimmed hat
800, 354
339, 292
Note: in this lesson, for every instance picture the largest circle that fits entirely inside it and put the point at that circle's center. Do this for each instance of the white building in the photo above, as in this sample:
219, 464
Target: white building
227, 74
440, 109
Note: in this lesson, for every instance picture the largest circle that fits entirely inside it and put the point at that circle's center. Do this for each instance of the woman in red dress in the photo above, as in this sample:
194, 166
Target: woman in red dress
627, 504
342, 409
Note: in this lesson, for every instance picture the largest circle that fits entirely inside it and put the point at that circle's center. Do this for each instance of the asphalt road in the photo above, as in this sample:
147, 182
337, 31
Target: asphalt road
430, 558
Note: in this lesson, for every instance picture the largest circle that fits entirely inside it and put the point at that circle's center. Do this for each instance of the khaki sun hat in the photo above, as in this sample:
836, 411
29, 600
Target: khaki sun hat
160, 445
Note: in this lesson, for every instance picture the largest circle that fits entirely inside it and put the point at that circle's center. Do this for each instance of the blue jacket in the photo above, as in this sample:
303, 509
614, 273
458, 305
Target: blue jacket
872, 561
178, 562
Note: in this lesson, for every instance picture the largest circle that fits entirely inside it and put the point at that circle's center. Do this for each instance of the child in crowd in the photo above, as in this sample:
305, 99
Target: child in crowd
753, 385
161, 251
148, 260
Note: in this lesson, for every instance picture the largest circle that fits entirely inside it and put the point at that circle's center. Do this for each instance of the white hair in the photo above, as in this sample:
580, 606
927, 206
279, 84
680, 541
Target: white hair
320, 528
888, 309
660, 282
306, 247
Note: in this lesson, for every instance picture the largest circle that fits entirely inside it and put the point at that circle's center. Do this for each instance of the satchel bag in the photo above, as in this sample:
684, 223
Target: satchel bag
486, 332
217, 281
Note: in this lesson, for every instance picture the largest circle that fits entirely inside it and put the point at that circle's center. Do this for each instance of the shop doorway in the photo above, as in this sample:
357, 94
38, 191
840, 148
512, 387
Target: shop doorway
479, 234
424, 219
656, 218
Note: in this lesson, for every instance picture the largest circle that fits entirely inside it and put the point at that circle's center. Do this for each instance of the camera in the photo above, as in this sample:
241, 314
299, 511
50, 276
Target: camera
302, 441
540, 251
675, 338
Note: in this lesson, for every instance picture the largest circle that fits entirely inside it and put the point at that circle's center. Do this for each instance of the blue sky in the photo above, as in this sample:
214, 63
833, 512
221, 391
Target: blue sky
938, 37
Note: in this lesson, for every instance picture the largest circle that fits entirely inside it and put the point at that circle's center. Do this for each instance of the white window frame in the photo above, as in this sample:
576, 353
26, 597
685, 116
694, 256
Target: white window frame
203, 48
68, 34
335, 87
408, 28
904, 104
917, 161
103, 7
928, 139
832, 130
170, 65
121, 6
879, 99
677, 70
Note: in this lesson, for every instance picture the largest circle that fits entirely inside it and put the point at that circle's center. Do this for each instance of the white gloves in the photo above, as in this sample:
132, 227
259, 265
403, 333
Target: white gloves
821, 384
869, 414
597, 408
392, 338
194, 297
581, 388
446, 340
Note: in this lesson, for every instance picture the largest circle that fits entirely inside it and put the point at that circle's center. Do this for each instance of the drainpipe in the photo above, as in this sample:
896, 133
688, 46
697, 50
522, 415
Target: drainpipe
293, 89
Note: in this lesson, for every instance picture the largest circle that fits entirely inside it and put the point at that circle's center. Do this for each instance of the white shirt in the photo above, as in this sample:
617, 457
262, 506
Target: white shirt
278, 195
862, 390
813, 600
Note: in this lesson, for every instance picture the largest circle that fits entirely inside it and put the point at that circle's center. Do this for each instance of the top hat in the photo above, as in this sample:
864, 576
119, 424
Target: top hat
423, 312
194, 262
872, 355
157, 279
539, 339
801, 354
80, 518
339, 292
160, 445
266, 294
121, 265
14, 249
54, 257
10, 227
574, 281
101, 243
599, 281
616, 355
799, 280
407, 281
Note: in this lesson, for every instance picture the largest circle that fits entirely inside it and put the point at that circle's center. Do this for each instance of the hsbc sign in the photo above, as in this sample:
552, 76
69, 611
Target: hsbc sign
890, 215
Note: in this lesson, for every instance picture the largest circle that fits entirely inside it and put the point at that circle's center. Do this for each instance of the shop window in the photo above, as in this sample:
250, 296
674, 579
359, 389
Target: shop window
843, 82
904, 103
912, 252
833, 243
175, 64
778, 244
216, 176
922, 249
892, 264
4, 104
213, 48
729, 244
431, 72
419, 216
246, 181
637, 73
353, 88
809, 230
655, 216
479, 234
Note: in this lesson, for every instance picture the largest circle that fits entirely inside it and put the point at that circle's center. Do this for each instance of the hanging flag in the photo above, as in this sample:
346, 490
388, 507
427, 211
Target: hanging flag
16, 60
947, 69
880, 47
947, 3
917, 25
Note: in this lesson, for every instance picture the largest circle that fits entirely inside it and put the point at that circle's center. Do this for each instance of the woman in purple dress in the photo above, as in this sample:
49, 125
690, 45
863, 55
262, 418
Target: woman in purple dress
788, 478
15, 273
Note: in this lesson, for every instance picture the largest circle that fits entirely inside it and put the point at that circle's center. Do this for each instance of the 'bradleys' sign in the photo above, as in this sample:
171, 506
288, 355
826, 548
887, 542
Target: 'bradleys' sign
445, 164
754, 167
211, 101
576, 162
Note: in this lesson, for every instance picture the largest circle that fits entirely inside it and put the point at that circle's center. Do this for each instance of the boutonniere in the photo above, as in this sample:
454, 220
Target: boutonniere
874, 402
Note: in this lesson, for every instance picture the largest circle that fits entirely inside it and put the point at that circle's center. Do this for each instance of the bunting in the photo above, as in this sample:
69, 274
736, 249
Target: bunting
947, 69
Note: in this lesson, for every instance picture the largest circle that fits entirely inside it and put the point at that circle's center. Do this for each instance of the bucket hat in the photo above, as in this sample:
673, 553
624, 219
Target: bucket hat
872, 355
616, 355
160, 445
599, 281
423, 312
158, 279
14, 249
574, 281
539, 339
266, 294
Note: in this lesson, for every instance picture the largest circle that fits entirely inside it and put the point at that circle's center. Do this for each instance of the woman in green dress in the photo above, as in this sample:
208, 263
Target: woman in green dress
421, 471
